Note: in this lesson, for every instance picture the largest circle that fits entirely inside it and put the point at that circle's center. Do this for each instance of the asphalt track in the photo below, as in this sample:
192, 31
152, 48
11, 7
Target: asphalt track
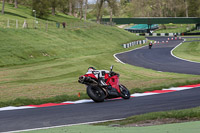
115, 109
159, 58
88, 112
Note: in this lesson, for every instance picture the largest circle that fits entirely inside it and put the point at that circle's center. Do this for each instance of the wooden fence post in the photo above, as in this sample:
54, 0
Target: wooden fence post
46, 26
17, 24
8, 23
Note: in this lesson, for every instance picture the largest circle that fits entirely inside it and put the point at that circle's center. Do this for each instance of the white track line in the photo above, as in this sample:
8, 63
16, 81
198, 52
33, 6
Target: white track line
64, 125
125, 52
80, 101
15, 108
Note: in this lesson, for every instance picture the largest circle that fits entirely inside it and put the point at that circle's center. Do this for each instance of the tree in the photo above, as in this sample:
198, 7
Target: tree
41, 7
70, 7
10, 1
186, 8
63, 6
3, 5
80, 8
193, 6
99, 5
113, 8
54, 4
74, 7
25, 2
86, 5
16, 4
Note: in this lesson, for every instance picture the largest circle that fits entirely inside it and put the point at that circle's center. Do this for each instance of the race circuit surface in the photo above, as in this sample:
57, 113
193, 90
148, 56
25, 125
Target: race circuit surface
159, 58
89, 112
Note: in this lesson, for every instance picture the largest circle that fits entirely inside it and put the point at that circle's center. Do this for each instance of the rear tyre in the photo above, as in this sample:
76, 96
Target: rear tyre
96, 93
124, 92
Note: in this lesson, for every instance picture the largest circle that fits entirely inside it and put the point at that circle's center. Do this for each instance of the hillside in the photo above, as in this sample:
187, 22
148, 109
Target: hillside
39, 63
44, 63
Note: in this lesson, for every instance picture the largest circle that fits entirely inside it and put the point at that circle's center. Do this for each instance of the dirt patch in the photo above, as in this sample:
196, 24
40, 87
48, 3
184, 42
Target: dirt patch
159, 122
155, 122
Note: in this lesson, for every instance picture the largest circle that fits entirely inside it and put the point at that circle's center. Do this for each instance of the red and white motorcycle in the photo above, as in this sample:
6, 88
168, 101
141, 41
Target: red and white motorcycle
103, 84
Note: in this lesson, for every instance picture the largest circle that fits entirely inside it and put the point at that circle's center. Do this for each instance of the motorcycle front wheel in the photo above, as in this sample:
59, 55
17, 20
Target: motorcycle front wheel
96, 93
124, 92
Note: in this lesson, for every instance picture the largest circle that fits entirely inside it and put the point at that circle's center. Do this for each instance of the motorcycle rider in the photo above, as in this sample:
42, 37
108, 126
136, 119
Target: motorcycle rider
150, 45
101, 77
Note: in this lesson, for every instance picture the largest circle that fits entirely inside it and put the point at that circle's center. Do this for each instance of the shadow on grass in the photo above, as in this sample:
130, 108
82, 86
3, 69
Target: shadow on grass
10, 13
60, 17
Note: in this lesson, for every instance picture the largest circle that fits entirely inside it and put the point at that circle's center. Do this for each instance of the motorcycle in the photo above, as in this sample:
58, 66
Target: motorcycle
103, 84
150, 45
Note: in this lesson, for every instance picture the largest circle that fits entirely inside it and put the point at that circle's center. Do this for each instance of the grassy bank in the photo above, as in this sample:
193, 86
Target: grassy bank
189, 50
38, 66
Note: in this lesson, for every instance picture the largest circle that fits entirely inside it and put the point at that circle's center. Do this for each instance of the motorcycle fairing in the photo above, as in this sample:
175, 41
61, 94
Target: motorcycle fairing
114, 82
102, 73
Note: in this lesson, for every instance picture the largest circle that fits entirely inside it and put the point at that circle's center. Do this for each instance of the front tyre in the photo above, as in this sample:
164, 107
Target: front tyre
96, 93
124, 92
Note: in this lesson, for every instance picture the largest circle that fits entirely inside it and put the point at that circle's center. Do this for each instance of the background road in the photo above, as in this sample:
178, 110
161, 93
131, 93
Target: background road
159, 58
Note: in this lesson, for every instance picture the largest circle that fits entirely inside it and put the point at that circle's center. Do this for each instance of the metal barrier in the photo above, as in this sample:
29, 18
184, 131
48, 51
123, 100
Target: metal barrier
128, 45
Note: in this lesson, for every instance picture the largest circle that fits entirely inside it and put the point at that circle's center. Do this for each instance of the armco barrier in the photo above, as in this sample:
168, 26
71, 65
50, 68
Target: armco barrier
167, 34
128, 45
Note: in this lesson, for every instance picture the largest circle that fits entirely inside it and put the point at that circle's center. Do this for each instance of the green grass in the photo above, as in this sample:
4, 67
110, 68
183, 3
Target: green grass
195, 31
186, 127
186, 114
174, 28
189, 50
38, 66
25, 13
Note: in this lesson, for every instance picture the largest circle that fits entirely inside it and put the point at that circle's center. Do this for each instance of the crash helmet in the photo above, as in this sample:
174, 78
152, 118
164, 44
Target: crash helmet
90, 69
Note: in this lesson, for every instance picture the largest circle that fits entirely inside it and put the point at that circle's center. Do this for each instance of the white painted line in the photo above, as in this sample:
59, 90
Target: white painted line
118, 59
15, 108
143, 94
179, 57
125, 52
80, 101
179, 88
64, 125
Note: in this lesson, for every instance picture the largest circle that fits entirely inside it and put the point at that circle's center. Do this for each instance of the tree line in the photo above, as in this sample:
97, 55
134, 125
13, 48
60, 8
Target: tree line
162, 8
111, 8
44, 8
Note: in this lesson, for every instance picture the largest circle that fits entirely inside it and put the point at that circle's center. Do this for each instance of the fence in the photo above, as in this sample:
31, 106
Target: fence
45, 25
128, 45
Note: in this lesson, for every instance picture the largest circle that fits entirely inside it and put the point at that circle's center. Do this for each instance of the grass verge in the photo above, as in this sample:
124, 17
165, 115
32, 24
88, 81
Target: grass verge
189, 50
187, 127
186, 114
174, 28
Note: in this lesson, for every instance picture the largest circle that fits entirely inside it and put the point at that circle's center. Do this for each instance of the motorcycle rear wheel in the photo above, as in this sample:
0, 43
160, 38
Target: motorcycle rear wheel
124, 92
96, 93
